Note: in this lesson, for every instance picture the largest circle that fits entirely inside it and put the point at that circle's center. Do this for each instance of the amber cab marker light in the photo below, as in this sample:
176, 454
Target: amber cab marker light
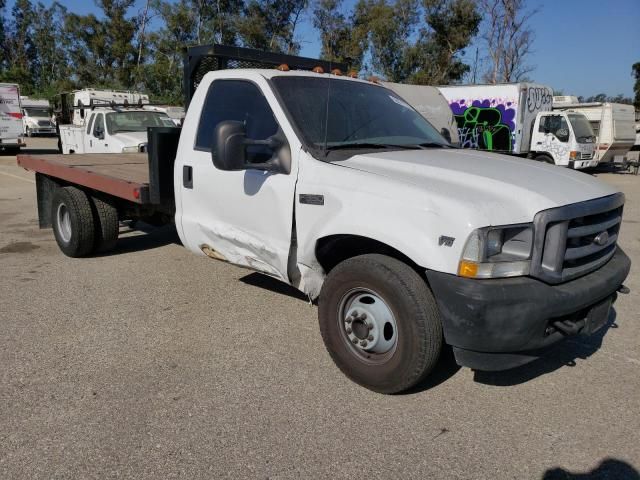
467, 269
374, 79
336, 71
284, 67
318, 70
353, 74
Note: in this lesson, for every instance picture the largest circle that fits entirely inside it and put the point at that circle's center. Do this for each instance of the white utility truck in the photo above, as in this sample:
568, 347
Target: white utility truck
106, 121
11, 131
36, 117
612, 123
517, 119
431, 104
337, 187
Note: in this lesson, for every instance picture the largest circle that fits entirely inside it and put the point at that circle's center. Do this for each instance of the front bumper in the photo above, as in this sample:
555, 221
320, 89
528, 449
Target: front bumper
502, 323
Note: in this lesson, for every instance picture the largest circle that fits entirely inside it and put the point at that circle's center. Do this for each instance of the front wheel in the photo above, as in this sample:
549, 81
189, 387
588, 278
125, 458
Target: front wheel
380, 323
545, 158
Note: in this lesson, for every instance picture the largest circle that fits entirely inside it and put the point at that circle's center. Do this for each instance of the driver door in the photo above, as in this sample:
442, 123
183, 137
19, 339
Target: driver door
95, 142
555, 140
245, 216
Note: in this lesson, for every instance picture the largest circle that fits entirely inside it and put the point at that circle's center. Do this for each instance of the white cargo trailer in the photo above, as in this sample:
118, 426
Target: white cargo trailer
517, 119
11, 131
613, 125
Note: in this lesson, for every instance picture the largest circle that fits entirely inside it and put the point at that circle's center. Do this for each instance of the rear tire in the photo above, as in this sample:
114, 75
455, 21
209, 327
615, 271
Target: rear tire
72, 221
107, 226
396, 302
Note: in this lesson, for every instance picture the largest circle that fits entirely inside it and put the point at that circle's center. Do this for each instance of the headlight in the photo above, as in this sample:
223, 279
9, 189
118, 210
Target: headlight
497, 252
134, 149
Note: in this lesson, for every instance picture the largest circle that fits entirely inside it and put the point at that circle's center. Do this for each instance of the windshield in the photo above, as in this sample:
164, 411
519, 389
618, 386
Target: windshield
358, 114
136, 121
37, 112
581, 128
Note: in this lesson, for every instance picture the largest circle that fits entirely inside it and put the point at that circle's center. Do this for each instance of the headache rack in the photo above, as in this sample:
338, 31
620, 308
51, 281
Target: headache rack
206, 58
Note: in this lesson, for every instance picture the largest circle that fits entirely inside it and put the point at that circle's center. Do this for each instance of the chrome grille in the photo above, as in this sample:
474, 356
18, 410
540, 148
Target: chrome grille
44, 123
586, 156
576, 239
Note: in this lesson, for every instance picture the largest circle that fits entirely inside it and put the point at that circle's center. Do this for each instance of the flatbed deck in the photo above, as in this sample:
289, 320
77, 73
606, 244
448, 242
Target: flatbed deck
121, 175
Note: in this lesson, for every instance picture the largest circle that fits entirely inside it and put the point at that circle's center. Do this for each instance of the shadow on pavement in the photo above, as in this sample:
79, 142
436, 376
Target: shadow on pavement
443, 371
154, 237
564, 355
609, 469
273, 285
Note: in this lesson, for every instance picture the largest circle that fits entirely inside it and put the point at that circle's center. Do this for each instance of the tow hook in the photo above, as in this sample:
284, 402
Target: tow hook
623, 289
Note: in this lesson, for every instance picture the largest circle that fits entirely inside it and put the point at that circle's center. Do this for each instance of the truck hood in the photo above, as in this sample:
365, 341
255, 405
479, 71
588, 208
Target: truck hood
502, 188
130, 139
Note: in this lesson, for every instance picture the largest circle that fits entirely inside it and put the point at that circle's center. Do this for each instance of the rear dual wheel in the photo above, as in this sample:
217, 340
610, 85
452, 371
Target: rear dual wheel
81, 224
380, 323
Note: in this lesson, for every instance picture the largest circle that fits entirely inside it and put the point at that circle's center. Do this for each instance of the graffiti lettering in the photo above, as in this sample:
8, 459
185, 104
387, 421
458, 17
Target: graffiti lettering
485, 125
539, 97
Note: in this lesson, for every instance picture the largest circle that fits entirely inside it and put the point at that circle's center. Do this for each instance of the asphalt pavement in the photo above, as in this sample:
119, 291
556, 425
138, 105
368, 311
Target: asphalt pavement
153, 363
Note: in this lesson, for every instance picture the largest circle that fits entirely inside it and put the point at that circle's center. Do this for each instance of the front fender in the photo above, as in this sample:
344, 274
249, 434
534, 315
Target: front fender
401, 216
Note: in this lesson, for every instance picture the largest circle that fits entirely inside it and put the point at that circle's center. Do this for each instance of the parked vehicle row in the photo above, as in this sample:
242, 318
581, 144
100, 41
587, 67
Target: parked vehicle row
339, 188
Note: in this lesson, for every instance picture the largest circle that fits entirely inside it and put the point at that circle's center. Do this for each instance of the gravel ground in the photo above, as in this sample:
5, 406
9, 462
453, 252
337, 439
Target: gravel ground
154, 363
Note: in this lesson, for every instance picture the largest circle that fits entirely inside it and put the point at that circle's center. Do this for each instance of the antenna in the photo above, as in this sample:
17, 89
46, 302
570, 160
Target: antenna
326, 113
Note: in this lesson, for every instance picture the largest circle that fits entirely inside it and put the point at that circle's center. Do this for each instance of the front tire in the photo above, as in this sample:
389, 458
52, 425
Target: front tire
380, 323
545, 159
72, 221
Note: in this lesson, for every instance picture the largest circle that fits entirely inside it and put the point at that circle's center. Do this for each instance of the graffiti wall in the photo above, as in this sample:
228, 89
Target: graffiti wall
487, 124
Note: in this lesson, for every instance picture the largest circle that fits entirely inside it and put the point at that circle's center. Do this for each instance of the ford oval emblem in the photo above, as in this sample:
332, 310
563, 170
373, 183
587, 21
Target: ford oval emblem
602, 238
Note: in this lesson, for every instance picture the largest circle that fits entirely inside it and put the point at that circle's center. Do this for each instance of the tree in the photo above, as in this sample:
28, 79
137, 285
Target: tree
20, 53
450, 27
390, 28
271, 24
635, 72
342, 39
508, 39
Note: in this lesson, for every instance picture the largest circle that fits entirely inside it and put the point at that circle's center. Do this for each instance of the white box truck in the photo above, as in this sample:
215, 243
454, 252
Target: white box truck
517, 119
612, 123
431, 104
36, 117
105, 121
11, 131
337, 187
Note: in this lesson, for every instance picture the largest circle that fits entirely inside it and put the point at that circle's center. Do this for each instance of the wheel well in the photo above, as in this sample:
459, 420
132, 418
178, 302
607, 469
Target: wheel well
332, 250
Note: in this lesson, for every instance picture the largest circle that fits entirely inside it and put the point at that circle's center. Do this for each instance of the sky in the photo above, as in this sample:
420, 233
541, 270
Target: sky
581, 47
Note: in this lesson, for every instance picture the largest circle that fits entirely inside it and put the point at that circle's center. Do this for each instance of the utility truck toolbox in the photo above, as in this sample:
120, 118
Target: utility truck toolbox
338, 187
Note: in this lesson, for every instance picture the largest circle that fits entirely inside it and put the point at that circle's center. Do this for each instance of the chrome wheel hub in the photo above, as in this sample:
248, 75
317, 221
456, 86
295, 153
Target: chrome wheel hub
64, 223
368, 322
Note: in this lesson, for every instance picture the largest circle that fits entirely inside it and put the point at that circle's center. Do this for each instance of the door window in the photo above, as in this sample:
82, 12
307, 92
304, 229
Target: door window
242, 101
98, 127
556, 125
90, 124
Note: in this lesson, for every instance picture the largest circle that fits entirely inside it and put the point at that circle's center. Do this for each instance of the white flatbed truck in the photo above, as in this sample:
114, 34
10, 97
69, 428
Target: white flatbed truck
405, 242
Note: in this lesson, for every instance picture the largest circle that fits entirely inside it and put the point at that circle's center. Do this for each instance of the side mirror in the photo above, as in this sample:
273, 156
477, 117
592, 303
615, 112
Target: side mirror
229, 149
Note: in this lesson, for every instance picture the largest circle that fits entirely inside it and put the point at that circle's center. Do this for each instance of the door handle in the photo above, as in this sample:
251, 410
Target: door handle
187, 176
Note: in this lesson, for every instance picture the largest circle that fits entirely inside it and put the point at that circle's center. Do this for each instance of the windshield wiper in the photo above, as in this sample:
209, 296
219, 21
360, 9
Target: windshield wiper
434, 145
355, 145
